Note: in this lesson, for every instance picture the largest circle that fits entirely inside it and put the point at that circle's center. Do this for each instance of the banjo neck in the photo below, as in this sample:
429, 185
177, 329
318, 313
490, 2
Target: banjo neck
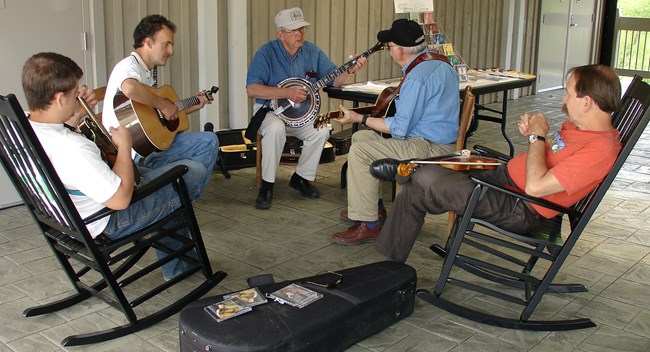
346, 66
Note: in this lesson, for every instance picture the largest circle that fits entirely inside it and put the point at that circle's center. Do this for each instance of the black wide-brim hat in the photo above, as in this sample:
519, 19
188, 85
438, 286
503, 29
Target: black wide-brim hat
404, 32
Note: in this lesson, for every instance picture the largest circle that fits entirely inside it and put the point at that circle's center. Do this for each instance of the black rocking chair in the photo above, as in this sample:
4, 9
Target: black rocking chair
493, 256
105, 270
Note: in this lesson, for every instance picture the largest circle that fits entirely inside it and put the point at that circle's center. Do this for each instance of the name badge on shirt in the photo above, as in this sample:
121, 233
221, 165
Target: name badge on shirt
555, 141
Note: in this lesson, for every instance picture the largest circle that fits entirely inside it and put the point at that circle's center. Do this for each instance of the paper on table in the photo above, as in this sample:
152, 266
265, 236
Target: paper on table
369, 87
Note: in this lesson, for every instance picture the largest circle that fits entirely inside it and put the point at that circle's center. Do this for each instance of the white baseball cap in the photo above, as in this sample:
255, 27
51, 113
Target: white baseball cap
290, 19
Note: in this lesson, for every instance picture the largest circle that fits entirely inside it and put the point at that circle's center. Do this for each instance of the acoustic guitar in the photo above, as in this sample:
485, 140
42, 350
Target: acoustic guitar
150, 131
382, 108
93, 129
299, 114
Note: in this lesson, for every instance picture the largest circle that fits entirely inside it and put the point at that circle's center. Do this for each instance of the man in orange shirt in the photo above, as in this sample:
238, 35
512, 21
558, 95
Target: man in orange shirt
561, 166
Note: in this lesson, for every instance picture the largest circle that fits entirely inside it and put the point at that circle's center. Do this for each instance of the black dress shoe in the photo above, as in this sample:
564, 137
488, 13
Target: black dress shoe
384, 169
305, 187
264, 198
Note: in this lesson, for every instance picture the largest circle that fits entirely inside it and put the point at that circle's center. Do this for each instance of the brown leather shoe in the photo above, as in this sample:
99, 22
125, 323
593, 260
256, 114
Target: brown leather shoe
358, 233
381, 214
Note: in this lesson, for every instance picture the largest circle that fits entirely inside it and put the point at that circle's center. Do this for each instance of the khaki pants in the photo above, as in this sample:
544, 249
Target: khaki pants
275, 132
367, 146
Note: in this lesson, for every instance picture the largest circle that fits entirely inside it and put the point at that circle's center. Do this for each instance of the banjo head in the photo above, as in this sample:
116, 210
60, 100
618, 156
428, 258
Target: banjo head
297, 115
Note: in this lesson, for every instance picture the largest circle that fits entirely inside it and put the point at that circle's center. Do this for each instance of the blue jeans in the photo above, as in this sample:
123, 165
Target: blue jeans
198, 151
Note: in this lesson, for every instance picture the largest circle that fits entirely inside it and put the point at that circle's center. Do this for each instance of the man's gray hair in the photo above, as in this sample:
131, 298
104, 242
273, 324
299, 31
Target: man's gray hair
415, 49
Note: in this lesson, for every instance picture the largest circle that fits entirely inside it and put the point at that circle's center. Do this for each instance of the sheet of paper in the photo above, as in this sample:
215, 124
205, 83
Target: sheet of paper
369, 87
404, 6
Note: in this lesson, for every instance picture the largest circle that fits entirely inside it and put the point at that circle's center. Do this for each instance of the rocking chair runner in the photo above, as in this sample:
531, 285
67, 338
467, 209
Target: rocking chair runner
505, 271
105, 270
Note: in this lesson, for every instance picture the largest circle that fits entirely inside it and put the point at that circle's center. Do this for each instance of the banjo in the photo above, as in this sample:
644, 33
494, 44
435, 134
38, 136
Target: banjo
299, 114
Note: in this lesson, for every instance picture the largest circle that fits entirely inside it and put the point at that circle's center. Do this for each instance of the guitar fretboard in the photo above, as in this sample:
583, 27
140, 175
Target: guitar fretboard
187, 102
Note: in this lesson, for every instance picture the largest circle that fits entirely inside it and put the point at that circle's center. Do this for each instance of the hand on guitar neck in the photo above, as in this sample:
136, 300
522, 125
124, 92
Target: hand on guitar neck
382, 108
150, 129
171, 109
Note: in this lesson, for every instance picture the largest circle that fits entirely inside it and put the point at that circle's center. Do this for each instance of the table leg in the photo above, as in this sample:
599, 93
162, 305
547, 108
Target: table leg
504, 114
501, 120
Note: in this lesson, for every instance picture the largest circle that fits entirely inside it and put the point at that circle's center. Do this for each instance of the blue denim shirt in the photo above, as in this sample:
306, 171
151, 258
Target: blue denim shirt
428, 104
272, 64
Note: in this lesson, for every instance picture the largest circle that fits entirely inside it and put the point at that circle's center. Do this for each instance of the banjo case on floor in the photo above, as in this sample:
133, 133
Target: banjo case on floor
368, 299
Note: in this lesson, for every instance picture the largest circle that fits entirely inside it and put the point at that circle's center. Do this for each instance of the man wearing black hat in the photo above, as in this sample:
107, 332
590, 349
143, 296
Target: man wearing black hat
425, 125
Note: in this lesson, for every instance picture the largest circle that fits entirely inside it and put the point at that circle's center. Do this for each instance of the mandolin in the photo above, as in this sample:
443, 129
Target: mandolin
150, 131
461, 161
299, 114
93, 129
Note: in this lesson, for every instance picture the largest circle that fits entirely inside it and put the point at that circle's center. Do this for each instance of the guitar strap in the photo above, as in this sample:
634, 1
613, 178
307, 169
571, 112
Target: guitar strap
154, 74
422, 57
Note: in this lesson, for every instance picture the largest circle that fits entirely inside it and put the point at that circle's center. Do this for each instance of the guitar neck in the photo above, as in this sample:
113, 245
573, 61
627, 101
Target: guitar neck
362, 110
322, 120
187, 103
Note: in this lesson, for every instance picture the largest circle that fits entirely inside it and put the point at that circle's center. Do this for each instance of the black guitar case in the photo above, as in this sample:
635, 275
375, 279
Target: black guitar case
293, 149
368, 299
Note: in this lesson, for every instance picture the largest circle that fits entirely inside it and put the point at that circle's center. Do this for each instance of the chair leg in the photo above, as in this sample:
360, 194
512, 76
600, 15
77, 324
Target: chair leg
451, 218
535, 325
57, 305
258, 162
344, 174
123, 330
222, 165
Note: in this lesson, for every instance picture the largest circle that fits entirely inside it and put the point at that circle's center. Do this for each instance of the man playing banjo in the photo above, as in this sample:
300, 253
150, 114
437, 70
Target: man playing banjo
290, 56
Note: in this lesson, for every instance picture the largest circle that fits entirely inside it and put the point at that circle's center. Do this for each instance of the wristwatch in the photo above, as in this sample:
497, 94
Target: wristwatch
534, 138
364, 119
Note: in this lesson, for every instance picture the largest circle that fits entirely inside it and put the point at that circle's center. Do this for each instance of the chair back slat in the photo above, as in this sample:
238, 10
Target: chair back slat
31, 172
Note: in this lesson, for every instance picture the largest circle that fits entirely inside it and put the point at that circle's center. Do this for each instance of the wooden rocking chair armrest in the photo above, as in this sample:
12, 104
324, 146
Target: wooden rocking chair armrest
484, 181
485, 151
145, 190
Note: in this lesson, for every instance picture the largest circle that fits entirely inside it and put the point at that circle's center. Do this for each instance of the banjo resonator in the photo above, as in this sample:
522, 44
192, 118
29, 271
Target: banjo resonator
299, 114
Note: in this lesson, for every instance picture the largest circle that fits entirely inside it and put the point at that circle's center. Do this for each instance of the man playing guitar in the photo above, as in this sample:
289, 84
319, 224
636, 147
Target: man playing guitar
153, 40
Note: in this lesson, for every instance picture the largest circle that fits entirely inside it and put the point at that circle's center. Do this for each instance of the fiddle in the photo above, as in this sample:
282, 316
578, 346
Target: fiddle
461, 161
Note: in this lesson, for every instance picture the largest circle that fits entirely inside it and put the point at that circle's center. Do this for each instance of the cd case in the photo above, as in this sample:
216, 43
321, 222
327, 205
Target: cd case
295, 295
228, 308
250, 297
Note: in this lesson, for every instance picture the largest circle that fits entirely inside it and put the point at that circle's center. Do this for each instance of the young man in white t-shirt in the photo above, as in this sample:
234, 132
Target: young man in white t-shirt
50, 82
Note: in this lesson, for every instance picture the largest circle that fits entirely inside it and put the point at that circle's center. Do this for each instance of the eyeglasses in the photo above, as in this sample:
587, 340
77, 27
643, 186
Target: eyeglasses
296, 31
337, 279
388, 46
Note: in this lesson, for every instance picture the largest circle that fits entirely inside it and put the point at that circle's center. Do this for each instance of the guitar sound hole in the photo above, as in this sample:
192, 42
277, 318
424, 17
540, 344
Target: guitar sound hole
171, 125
